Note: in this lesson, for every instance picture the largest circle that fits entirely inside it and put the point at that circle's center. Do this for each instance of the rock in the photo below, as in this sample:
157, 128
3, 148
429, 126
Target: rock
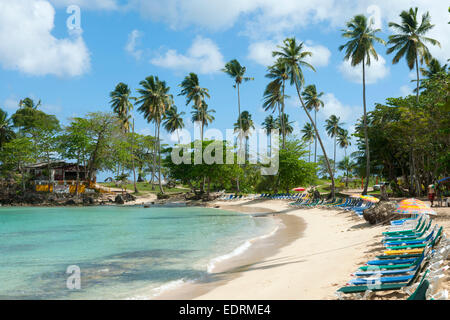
70, 202
160, 196
88, 201
129, 197
382, 212
119, 199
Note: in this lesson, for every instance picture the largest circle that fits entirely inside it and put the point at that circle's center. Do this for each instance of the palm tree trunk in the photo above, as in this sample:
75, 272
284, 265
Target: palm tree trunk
283, 125
154, 162
315, 139
318, 137
132, 161
334, 159
309, 156
159, 160
366, 138
240, 129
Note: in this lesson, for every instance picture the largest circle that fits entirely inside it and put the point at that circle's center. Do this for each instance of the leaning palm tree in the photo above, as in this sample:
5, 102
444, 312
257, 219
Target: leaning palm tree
333, 127
308, 136
410, 41
268, 125
203, 115
278, 72
194, 93
313, 102
234, 69
174, 121
154, 103
6, 128
243, 126
122, 106
293, 55
359, 50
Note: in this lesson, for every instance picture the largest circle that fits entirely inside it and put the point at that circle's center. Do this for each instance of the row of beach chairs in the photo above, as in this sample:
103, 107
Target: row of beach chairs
412, 261
349, 204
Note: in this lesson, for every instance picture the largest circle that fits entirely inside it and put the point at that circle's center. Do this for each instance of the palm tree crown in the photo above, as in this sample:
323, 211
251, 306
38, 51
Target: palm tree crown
174, 120
121, 105
6, 128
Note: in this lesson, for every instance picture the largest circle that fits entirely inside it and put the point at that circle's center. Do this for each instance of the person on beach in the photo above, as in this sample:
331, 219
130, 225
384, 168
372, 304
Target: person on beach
431, 193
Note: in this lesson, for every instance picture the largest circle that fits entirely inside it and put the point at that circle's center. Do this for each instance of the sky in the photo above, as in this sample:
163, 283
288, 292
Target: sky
71, 53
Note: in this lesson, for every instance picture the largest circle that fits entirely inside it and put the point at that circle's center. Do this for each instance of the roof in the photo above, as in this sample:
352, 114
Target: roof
52, 164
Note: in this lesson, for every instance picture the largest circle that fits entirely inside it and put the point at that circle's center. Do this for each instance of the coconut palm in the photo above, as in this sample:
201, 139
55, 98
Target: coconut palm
203, 115
283, 122
243, 126
174, 121
410, 41
194, 93
122, 106
268, 125
292, 55
343, 140
6, 128
346, 165
333, 127
313, 102
278, 72
308, 136
29, 103
433, 68
359, 50
154, 103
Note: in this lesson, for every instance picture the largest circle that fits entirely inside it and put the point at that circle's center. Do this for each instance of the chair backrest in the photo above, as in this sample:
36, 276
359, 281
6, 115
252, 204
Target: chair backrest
421, 291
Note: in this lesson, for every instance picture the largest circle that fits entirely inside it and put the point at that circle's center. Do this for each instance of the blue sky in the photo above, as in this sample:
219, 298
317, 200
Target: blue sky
126, 41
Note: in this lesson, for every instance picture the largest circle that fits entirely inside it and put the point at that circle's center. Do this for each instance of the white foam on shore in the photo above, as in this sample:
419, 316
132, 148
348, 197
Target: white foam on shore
239, 250
161, 289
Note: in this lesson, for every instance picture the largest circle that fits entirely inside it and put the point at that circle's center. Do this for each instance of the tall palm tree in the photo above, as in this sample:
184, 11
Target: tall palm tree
154, 103
333, 127
194, 93
234, 69
279, 73
410, 41
203, 115
346, 165
308, 136
243, 126
343, 140
293, 55
29, 103
268, 125
313, 102
122, 106
359, 50
6, 128
174, 121
283, 122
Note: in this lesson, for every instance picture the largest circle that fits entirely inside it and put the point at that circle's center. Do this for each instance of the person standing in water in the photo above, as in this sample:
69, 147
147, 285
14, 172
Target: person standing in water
431, 193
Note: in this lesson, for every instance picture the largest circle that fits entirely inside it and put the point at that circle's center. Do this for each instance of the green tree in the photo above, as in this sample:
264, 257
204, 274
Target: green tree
203, 115
308, 136
283, 121
313, 102
268, 125
347, 166
6, 128
243, 126
174, 121
293, 56
359, 50
333, 128
343, 140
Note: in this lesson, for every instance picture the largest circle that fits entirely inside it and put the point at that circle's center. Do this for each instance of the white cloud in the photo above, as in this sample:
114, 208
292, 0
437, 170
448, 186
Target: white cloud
203, 56
332, 105
132, 43
376, 71
405, 91
11, 104
88, 4
320, 54
27, 45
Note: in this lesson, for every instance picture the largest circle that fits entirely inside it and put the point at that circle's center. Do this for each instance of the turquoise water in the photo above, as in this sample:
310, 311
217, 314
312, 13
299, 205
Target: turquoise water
122, 252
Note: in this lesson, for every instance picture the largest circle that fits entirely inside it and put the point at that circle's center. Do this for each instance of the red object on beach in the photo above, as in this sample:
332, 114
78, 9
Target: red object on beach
299, 189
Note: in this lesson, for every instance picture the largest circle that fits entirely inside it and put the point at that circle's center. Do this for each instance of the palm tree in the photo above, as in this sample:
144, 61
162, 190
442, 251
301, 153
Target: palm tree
174, 121
346, 165
268, 125
359, 50
434, 68
203, 115
194, 93
154, 103
343, 140
312, 101
308, 136
29, 103
410, 41
333, 127
243, 125
6, 128
234, 69
292, 55
283, 122
121, 105
278, 72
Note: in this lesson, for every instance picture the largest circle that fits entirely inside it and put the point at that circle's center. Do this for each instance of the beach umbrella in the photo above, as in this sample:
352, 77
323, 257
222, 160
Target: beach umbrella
442, 180
299, 189
370, 199
413, 206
